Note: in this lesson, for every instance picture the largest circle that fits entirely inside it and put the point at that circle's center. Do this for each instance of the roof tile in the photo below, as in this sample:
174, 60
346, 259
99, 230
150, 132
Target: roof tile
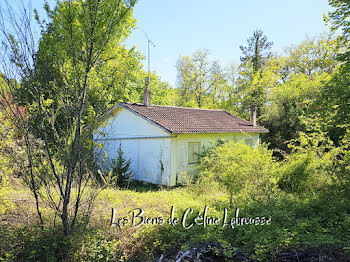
193, 120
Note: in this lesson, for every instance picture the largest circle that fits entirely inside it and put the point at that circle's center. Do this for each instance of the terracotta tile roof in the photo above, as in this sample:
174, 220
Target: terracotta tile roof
193, 120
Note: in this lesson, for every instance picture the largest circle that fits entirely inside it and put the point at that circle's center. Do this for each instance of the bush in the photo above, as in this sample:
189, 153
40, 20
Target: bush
97, 248
239, 168
5, 204
121, 169
31, 243
313, 163
296, 173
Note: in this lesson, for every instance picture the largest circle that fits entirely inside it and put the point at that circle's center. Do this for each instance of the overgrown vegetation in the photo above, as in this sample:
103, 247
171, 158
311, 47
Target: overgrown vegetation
320, 218
305, 198
240, 168
52, 95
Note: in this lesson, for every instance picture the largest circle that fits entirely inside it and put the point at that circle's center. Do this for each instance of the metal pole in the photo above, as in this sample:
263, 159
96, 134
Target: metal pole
149, 58
149, 52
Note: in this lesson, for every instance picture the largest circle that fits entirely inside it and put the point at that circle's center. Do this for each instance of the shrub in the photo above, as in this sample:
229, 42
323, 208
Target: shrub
31, 243
296, 173
5, 203
313, 162
239, 168
97, 248
121, 168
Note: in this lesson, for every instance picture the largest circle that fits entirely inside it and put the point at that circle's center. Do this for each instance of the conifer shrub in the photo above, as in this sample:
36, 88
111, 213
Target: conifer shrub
120, 168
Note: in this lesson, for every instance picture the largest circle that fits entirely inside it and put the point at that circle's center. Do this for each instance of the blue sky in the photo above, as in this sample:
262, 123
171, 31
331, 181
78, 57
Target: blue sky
180, 27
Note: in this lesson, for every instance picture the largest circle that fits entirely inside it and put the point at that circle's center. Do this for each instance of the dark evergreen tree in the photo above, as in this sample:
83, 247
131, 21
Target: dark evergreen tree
121, 168
256, 53
257, 50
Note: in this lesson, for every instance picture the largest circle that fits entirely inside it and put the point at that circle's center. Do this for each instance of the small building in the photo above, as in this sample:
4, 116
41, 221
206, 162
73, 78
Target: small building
163, 142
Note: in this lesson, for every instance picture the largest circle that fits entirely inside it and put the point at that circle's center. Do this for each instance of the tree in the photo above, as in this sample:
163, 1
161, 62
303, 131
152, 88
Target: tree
199, 80
228, 97
287, 102
121, 168
315, 162
333, 104
257, 50
118, 75
109, 80
254, 88
302, 73
314, 55
338, 19
161, 92
256, 54
58, 76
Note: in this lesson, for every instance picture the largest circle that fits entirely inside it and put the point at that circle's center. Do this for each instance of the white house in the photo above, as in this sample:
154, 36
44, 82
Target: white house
163, 141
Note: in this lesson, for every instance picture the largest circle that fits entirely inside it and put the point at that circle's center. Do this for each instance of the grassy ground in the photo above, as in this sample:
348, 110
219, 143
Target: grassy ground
296, 223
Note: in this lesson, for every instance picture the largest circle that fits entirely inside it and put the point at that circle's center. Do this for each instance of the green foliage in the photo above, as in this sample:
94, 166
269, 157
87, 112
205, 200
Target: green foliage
254, 85
313, 56
67, 40
30, 243
201, 82
257, 50
62, 105
312, 164
302, 76
333, 106
120, 165
289, 101
117, 73
343, 164
255, 79
310, 210
296, 174
239, 168
338, 19
161, 92
96, 248
283, 88
5, 203
11, 161
297, 223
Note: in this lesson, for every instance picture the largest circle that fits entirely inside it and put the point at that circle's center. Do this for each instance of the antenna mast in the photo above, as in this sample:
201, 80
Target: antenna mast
147, 92
149, 41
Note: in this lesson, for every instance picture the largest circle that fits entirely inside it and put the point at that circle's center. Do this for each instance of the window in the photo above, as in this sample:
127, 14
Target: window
193, 152
248, 141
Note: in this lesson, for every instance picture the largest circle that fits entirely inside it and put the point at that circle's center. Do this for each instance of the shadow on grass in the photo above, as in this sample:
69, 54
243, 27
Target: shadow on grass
141, 187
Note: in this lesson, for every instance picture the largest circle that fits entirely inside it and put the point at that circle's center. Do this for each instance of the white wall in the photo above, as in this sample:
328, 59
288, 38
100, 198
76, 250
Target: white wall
146, 144
124, 123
